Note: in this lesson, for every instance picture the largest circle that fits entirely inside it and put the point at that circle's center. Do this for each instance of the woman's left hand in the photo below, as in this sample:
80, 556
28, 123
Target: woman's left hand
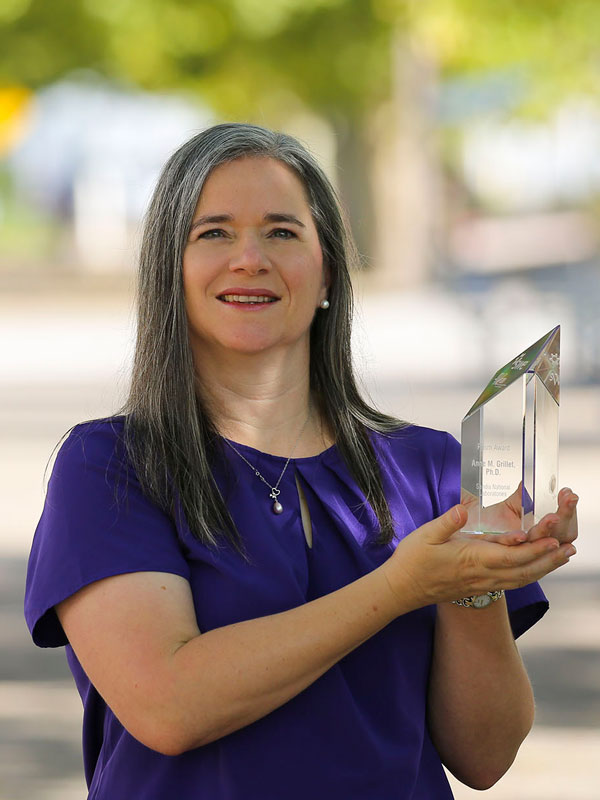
561, 525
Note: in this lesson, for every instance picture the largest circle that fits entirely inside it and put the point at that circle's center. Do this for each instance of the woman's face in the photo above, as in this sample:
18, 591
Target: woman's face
253, 270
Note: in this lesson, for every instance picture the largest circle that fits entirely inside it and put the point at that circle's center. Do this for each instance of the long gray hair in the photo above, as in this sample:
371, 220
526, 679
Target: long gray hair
170, 437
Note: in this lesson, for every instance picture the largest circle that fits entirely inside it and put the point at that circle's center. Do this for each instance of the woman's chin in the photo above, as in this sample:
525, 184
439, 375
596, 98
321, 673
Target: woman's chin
251, 345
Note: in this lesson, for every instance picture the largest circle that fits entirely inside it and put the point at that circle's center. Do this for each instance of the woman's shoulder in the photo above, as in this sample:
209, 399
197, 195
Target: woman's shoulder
102, 426
94, 439
418, 449
411, 436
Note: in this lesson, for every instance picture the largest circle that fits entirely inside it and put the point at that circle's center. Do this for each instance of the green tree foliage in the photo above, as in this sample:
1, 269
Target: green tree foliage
555, 45
237, 54
243, 56
42, 41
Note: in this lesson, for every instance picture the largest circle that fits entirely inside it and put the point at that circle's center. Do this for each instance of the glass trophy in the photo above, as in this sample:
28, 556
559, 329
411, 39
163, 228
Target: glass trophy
510, 442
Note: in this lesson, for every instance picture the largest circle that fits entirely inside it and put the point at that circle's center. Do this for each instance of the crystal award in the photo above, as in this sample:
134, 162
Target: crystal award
510, 442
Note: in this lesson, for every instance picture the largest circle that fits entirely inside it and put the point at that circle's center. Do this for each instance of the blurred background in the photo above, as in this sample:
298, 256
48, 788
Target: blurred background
464, 138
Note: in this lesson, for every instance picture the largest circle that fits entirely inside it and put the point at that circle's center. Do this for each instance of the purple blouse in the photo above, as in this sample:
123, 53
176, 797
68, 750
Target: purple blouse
359, 731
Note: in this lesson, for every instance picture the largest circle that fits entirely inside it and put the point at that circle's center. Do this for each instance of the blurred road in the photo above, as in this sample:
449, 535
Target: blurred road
64, 361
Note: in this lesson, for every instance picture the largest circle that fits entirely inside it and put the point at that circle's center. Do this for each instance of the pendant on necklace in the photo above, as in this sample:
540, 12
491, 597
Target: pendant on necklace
277, 507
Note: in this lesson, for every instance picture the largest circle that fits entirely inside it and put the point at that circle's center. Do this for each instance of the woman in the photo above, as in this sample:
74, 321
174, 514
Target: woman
228, 561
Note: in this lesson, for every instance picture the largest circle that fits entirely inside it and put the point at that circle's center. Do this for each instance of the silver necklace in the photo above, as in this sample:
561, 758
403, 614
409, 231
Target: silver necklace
275, 490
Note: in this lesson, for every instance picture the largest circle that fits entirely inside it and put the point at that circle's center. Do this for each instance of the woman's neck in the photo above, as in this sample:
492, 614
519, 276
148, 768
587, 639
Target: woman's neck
263, 404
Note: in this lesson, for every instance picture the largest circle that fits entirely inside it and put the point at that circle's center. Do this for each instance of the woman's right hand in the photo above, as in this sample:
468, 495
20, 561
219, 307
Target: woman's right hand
437, 563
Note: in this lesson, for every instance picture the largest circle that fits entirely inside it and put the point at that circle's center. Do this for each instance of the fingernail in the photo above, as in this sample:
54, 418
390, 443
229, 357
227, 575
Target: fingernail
456, 513
570, 551
553, 545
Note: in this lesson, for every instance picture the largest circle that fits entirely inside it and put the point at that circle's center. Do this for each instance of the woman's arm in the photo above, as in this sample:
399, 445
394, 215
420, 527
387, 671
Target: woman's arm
175, 688
481, 704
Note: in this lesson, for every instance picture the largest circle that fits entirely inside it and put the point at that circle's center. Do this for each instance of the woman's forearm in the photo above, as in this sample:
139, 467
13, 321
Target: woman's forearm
480, 699
254, 667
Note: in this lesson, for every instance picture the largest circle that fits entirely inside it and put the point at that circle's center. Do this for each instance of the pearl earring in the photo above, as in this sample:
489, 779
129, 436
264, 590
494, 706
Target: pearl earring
324, 304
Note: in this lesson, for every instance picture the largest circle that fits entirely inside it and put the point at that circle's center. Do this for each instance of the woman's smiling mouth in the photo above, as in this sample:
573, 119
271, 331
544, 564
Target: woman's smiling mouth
247, 298
242, 297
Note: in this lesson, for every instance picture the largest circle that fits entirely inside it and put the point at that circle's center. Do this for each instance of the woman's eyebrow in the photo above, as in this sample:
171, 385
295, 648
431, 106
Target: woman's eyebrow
271, 216
275, 217
211, 218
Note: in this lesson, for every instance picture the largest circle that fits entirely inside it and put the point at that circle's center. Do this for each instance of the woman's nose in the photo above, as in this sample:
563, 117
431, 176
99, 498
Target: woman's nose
249, 256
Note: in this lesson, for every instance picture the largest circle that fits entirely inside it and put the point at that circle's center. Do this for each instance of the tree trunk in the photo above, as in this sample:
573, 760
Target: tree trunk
355, 184
408, 196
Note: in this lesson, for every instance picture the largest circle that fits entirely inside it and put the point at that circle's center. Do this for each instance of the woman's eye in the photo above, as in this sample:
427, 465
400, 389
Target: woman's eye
282, 233
213, 233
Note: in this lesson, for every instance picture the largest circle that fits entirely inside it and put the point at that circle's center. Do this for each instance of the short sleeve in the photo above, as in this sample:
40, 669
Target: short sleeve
96, 523
526, 605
